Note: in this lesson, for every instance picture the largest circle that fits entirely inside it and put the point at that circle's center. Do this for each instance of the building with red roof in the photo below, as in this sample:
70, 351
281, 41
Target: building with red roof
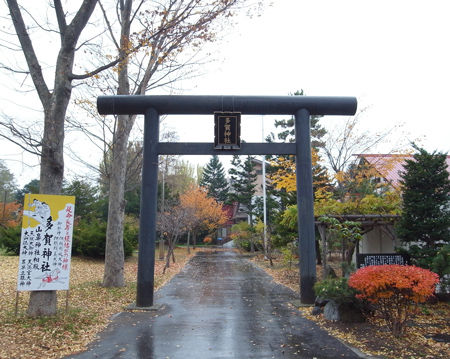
389, 166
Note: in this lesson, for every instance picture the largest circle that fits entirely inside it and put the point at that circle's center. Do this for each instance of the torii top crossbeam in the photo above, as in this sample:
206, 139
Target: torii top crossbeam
247, 105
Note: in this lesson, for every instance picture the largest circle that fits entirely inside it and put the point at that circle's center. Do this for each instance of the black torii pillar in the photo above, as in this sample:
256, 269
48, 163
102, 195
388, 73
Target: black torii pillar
154, 106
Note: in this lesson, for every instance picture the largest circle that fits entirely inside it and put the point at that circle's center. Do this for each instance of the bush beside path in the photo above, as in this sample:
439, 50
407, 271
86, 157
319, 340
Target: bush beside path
372, 337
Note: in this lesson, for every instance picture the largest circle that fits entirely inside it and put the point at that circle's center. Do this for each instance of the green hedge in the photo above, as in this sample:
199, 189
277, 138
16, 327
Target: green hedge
336, 289
89, 238
10, 239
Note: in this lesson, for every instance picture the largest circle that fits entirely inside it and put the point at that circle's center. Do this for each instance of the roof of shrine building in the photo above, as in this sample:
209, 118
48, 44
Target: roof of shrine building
390, 166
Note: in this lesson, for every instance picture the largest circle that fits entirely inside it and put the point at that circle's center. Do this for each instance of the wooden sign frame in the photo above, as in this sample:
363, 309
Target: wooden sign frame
227, 130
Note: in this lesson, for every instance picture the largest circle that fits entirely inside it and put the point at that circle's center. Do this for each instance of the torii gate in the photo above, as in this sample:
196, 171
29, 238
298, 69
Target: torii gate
154, 106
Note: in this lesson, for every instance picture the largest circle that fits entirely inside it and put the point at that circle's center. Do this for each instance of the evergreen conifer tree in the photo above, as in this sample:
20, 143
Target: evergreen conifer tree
425, 220
287, 134
213, 178
243, 186
286, 128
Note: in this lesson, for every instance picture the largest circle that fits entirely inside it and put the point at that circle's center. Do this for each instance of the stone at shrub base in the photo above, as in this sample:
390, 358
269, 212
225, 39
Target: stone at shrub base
316, 311
330, 273
344, 312
320, 302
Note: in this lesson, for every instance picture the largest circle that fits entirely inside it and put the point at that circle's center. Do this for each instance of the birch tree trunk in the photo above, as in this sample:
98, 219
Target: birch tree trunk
161, 248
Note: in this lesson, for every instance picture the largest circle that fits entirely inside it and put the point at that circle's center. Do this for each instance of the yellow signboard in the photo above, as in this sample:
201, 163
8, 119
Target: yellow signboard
46, 242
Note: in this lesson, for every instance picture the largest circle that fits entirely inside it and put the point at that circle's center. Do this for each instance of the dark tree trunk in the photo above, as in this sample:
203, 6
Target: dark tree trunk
114, 252
318, 255
323, 235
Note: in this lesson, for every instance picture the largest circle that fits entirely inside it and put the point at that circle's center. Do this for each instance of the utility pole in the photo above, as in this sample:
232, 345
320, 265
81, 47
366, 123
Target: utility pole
161, 239
264, 192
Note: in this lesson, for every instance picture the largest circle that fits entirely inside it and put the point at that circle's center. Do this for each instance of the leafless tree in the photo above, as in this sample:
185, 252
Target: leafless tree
167, 30
54, 99
146, 34
172, 223
342, 143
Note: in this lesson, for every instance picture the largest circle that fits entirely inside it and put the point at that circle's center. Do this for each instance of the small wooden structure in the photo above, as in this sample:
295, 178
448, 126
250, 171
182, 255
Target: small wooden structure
379, 224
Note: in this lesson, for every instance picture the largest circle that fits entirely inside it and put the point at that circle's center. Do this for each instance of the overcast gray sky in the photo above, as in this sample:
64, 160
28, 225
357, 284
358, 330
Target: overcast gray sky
392, 55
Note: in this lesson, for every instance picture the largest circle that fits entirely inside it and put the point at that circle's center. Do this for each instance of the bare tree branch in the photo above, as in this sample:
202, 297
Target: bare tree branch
60, 16
13, 70
108, 25
38, 25
84, 43
28, 51
21, 136
96, 71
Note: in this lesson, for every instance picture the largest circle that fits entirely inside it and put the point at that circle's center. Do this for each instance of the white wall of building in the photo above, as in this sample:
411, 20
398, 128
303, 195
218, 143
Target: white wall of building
379, 241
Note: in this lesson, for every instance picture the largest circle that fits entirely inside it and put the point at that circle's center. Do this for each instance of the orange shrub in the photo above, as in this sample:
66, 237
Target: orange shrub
394, 291
10, 214
207, 240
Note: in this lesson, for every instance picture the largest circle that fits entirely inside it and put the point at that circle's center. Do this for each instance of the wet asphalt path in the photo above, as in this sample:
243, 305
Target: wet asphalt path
219, 306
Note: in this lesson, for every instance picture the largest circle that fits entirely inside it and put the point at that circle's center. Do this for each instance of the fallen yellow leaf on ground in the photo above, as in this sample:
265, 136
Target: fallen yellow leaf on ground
372, 337
90, 308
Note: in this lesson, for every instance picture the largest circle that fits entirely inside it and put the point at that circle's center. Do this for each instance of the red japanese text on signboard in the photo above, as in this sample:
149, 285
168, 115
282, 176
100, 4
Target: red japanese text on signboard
46, 242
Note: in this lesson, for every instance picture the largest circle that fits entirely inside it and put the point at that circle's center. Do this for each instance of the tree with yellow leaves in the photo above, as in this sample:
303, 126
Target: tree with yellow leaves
283, 175
284, 178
